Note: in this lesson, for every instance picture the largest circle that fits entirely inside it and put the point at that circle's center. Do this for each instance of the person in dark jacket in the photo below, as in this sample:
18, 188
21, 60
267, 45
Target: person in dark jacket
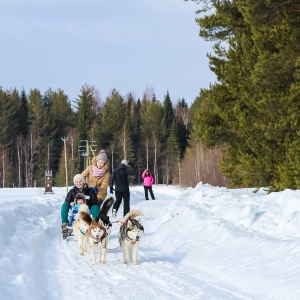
91, 200
119, 177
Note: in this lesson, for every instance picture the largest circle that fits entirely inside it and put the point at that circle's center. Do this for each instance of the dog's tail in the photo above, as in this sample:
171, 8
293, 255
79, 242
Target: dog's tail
85, 217
83, 207
106, 206
131, 215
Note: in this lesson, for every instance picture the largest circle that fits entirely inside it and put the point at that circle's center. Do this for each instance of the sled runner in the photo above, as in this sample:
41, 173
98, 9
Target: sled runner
69, 228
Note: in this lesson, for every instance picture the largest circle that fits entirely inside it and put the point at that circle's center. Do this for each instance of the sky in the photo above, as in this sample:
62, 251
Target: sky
199, 243
132, 46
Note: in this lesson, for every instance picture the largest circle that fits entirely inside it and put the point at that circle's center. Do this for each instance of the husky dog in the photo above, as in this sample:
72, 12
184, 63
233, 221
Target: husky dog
81, 226
130, 234
96, 237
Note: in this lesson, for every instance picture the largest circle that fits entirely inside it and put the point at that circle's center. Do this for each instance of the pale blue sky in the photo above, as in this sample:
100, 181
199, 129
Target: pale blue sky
130, 45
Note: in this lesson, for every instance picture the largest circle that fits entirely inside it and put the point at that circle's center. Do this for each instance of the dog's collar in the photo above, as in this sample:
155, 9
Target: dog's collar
100, 239
95, 241
133, 241
82, 232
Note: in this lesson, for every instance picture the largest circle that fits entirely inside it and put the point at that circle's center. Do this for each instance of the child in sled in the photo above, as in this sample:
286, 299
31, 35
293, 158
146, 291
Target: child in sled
73, 211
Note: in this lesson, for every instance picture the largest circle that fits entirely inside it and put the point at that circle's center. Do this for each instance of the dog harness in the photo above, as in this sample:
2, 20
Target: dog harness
81, 230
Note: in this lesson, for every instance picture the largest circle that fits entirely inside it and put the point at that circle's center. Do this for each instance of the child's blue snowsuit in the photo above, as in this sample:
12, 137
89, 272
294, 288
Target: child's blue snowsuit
73, 211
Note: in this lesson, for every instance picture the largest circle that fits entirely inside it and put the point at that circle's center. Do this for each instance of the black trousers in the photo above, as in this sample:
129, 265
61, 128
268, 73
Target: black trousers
148, 188
126, 198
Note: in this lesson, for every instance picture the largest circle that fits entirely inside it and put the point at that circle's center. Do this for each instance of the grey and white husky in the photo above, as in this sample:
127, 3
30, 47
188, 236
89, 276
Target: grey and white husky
130, 235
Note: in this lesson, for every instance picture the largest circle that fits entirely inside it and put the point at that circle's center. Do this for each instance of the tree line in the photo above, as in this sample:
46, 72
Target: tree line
48, 132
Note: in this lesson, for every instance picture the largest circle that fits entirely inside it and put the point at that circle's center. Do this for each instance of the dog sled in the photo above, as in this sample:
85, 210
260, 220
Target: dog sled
106, 206
69, 228
68, 231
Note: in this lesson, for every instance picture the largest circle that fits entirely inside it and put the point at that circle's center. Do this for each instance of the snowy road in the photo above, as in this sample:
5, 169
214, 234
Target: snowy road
48, 267
198, 244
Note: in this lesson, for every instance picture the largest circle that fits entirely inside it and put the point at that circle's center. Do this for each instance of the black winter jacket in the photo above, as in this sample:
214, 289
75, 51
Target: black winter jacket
119, 177
90, 195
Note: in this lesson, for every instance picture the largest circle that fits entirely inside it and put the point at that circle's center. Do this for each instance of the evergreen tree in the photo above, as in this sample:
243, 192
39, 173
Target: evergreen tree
22, 131
168, 114
136, 138
125, 138
8, 114
182, 118
85, 114
14, 131
112, 121
23, 113
35, 154
62, 118
246, 112
173, 157
8, 132
151, 128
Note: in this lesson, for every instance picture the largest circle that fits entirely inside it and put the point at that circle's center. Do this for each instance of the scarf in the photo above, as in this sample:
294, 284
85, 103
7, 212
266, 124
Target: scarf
96, 172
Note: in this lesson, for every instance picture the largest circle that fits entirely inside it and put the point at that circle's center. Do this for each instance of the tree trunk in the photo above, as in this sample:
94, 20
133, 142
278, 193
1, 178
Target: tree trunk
147, 152
112, 156
179, 170
155, 160
3, 167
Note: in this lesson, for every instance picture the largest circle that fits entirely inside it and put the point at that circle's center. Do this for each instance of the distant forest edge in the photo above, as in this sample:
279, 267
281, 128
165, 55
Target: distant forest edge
39, 131
244, 131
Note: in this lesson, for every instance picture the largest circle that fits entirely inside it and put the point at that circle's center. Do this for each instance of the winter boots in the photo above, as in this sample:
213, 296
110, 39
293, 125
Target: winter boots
64, 228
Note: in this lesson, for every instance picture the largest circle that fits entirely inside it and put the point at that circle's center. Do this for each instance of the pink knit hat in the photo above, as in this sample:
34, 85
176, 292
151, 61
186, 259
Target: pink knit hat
102, 156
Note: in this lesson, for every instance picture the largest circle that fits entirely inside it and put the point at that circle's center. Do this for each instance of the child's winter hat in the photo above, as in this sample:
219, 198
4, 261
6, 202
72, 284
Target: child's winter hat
102, 156
124, 162
78, 176
80, 196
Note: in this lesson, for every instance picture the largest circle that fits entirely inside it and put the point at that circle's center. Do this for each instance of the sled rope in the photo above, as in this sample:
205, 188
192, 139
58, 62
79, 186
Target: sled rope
113, 248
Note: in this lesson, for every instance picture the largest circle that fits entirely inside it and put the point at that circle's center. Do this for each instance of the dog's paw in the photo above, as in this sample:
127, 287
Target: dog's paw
135, 263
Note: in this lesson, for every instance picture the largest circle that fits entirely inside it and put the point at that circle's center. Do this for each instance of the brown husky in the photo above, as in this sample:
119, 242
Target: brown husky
96, 237
103, 216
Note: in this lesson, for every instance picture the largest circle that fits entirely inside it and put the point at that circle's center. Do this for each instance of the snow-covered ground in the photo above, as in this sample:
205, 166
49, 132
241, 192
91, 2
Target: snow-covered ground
199, 243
